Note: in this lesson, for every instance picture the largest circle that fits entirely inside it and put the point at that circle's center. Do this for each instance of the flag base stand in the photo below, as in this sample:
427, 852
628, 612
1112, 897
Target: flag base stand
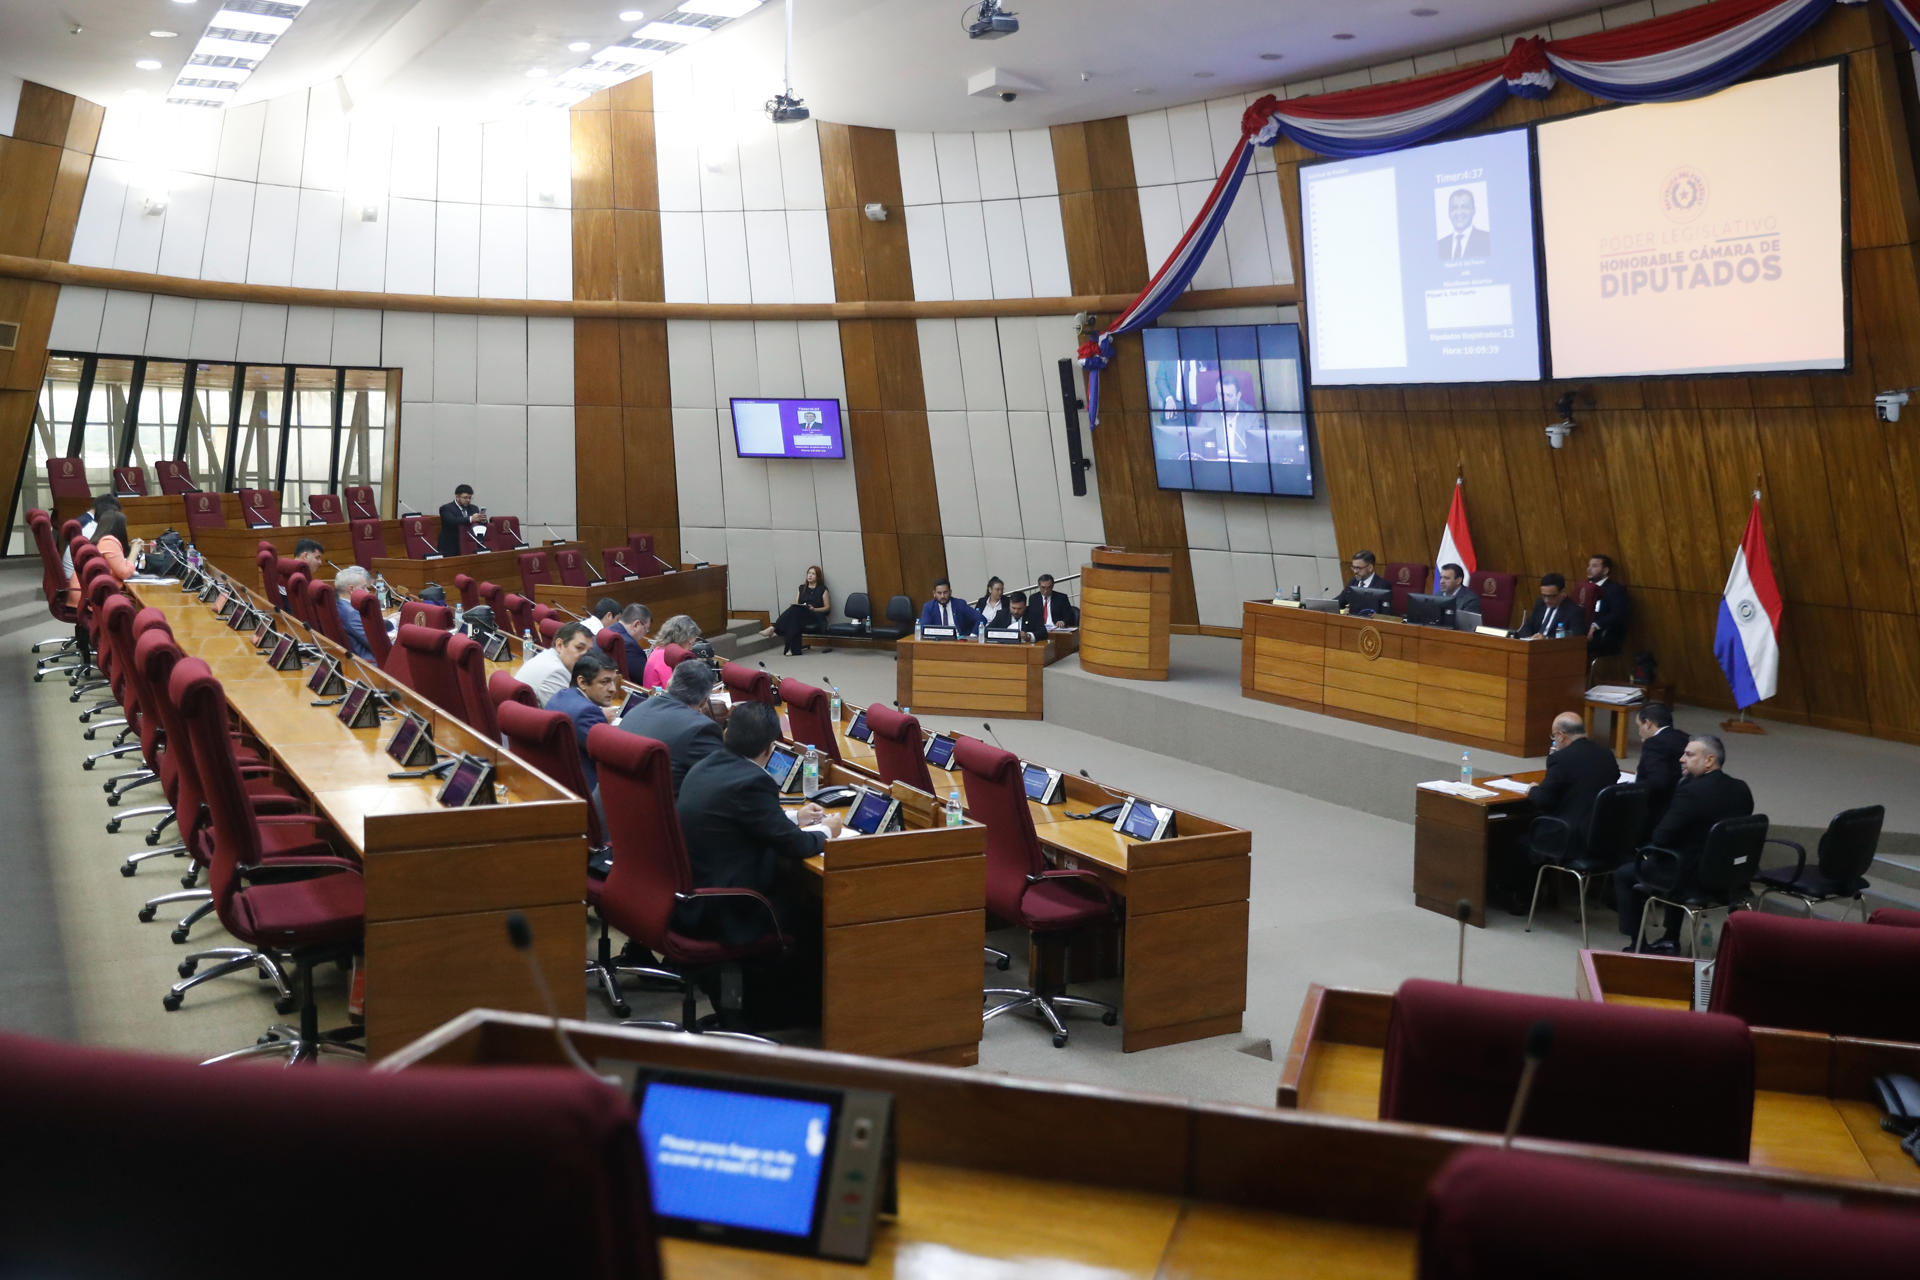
1740, 724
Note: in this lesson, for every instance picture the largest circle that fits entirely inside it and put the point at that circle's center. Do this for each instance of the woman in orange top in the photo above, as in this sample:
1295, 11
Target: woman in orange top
110, 536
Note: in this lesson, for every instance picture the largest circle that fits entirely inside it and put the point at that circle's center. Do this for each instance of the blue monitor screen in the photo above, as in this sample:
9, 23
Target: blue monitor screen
788, 429
1420, 264
868, 814
1036, 778
780, 765
1141, 821
1227, 410
940, 752
738, 1159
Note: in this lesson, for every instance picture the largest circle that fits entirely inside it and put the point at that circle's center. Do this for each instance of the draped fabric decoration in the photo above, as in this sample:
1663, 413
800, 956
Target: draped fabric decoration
1684, 55
1906, 16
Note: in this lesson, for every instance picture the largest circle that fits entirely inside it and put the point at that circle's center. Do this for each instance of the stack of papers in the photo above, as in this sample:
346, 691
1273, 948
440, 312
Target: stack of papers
1628, 777
1620, 695
1509, 784
1464, 789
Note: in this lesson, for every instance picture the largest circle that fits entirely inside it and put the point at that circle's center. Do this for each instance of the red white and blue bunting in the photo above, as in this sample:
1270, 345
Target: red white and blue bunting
1684, 55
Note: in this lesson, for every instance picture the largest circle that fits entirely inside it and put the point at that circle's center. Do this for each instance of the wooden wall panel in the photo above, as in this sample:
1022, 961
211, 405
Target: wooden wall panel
1661, 472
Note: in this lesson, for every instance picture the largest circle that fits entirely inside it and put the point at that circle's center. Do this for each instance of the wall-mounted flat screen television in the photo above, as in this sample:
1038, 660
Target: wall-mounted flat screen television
788, 428
1227, 408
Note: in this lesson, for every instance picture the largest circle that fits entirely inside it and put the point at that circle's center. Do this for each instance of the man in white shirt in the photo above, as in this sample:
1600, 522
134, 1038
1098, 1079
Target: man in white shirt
551, 670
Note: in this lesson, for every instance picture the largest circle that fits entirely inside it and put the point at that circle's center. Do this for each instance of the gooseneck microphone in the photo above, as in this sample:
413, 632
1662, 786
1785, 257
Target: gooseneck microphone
1463, 912
1539, 1041
520, 934
996, 737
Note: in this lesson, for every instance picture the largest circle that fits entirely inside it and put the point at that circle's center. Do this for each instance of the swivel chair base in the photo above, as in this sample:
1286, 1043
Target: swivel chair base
306, 1042
1021, 998
691, 1023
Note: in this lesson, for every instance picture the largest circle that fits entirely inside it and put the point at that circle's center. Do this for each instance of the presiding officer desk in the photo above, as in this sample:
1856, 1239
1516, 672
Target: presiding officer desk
1002, 1176
1181, 952
439, 882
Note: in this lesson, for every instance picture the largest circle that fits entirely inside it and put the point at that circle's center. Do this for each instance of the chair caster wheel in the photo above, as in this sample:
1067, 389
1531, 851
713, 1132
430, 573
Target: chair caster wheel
1060, 1041
623, 1010
88, 735
1109, 1019
153, 839
285, 1006
36, 677
146, 915
180, 936
186, 882
88, 766
1004, 963
113, 826
268, 1038
127, 869
186, 967
171, 1001
113, 797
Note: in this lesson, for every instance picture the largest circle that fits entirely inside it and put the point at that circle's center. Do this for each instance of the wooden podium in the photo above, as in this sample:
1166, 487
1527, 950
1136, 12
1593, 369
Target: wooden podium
1125, 603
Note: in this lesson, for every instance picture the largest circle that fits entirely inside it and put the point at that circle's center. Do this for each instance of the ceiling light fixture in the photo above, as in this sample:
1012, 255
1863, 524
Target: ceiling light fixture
147, 64
580, 46
631, 15
672, 32
720, 8
238, 37
1143, 90
164, 35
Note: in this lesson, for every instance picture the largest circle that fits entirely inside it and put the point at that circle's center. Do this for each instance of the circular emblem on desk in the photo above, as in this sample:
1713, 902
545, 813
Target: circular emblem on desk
1370, 643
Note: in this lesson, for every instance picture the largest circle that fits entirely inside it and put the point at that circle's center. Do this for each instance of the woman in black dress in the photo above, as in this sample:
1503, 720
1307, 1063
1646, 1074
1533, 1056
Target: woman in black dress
993, 606
808, 612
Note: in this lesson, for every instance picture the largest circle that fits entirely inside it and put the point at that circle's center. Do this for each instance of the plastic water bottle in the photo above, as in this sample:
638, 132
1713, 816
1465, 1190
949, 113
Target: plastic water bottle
833, 705
526, 639
1466, 767
459, 617
810, 773
380, 589
1296, 593
916, 628
954, 815
193, 557
1560, 631
1706, 938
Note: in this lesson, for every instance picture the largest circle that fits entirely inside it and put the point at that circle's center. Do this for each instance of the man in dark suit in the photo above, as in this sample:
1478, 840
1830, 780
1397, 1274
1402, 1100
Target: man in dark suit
1553, 610
1051, 607
454, 514
1465, 241
944, 611
1578, 770
632, 626
1706, 794
680, 718
738, 837
1659, 770
1453, 588
593, 696
1023, 619
1607, 631
1364, 577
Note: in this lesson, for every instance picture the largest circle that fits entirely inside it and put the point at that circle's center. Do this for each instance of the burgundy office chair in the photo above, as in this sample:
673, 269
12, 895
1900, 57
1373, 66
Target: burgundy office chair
1496, 592
360, 505
1895, 917
325, 508
373, 622
67, 478
369, 543
494, 596
269, 565
260, 508
548, 629
745, 684
470, 543
643, 560
533, 570
420, 613
285, 567
503, 533
1051, 903
53, 583
676, 654
130, 482
420, 662
1404, 580
1819, 975
614, 645
468, 659
571, 567
175, 476
809, 718
437, 1161
519, 609
650, 875
502, 688
413, 534
1454, 1054
297, 584
620, 564
468, 589
323, 614
1490, 1215
205, 511
899, 748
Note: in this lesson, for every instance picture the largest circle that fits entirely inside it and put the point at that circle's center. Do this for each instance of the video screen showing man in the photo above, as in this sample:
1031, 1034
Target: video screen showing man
1463, 240
1226, 409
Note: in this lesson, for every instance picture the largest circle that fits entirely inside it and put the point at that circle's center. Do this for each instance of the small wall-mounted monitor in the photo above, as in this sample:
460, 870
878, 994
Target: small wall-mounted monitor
807, 429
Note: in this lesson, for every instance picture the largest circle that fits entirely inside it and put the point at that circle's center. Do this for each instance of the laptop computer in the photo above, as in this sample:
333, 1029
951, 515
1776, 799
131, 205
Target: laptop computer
1321, 606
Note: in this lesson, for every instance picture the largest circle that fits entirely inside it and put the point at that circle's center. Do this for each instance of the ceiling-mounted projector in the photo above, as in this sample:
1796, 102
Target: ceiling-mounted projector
990, 22
785, 108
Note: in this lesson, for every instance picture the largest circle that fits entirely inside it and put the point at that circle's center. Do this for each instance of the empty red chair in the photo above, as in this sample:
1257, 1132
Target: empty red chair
1404, 580
130, 482
571, 567
533, 571
1052, 904
421, 663
469, 591
470, 544
419, 613
373, 622
204, 511
744, 684
270, 582
614, 645
502, 688
360, 505
369, 542
413, 532
468, 659
323, 614
175, 476
494, 596
1496, 597
547, 613
53, 583
260, 508
296, 601
1454, 1054
899, 748
1491, 1215
430, 1150
644, 561
809, 716
519, 609
325, 508
67, 478
621, 564
503, 533
1818, 975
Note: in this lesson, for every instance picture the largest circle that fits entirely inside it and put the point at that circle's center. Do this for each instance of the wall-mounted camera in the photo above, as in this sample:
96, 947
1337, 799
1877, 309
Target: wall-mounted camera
1008, 95
1886, 405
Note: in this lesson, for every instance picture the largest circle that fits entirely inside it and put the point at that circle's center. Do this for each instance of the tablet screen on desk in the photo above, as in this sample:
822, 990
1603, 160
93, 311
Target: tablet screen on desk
322, 672
782, 766
463, 784
872, 812
634, 698
1041, 782
858, 731
1143, 821
356, 698
749, 1161
940, 752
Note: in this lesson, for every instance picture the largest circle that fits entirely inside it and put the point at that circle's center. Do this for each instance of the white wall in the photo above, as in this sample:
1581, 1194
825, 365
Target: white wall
983, 215
273, 194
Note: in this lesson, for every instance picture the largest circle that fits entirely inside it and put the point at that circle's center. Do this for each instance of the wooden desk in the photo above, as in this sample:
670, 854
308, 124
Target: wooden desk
412, 576
965, 678
1458, 686
1456, 840
1126, 608
439, 882
1132, 1184
1809, 1117
701, 594
1182, 953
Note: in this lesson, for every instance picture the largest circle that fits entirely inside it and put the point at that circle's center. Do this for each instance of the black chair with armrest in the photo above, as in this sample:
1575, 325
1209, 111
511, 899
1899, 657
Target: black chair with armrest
1847, 848
1613, 830
859, 612
1718, 880
900, 615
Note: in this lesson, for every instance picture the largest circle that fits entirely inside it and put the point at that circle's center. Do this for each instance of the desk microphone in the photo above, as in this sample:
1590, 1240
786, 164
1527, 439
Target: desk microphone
520, 934
1108, 812
1539, 1041
996, 737
664, 566
404, 503
331, 565
1463, 912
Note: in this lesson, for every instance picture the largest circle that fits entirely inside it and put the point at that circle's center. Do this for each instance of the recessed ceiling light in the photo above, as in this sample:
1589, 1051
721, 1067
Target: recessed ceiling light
163, 35
1272, 57
631, 15
1343, 35
1424, 13
148, 64
536, 73
1203, 75
721, 8
580, 46
1144, 90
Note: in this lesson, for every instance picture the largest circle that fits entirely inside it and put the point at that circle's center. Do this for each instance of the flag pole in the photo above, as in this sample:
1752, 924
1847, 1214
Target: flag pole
1743, 723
